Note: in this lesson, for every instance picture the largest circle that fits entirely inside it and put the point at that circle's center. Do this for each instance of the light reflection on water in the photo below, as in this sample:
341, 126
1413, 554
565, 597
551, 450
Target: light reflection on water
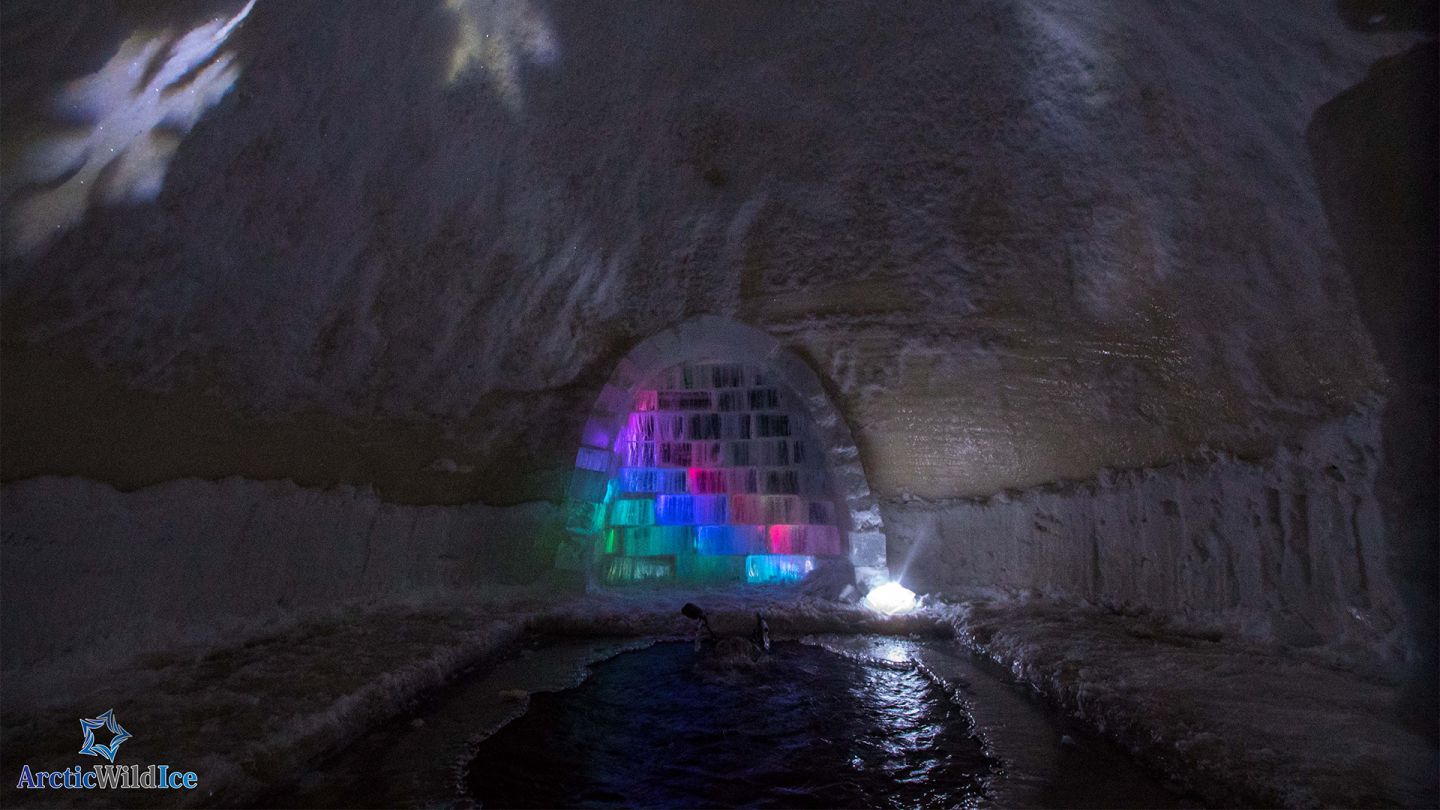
661, 727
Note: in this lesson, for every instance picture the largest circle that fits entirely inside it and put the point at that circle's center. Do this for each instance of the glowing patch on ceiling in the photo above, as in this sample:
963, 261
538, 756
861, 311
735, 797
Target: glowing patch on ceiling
139, 106
493, 38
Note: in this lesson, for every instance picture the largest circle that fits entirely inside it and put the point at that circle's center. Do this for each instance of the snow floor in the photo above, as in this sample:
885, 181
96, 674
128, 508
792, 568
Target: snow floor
1235, 722
1229, 722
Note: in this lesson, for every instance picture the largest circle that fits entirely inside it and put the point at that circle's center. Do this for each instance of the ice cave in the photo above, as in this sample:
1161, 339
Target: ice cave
546, 403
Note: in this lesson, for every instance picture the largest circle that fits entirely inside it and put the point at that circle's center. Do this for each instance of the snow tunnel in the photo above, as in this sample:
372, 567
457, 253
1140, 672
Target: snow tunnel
713, 455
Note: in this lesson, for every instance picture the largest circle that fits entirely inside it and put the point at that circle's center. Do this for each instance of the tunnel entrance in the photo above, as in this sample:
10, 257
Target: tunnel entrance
719, 480
714, 456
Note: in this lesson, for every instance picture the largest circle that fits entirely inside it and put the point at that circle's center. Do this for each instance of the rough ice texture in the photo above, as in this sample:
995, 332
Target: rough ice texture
1238, 724
249, 714
1289, 548
1019, 241
92, 574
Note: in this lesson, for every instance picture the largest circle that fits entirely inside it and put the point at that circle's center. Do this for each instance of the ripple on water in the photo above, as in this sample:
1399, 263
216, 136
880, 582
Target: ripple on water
806, 727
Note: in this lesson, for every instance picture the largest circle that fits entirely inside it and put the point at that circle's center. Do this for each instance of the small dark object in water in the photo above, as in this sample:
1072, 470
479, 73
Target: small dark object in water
757, 644
693, 611
760, 637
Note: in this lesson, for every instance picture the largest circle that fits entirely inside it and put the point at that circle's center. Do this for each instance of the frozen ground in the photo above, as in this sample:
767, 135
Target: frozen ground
254, 713
1234, 722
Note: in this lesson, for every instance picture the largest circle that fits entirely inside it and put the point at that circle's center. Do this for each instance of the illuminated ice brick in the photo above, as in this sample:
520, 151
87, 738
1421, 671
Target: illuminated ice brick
690, 509
638, 454
673, 510
766, 509
742, 480
594, 459
712, 508
588, 485
583, 517
822, 541
781, 482
645, 541
821, 512
698, 568
707, 482
683, 400
721, 540
645, 401
640, 427
689, 454
632, 512
777, 568
619, 570
650, 479
649, 427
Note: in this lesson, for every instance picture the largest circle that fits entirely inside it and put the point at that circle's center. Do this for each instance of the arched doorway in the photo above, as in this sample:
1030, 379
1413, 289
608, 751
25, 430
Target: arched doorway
714, 455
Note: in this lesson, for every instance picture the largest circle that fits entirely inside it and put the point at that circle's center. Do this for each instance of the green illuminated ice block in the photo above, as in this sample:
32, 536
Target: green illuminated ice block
710, 568
623, 570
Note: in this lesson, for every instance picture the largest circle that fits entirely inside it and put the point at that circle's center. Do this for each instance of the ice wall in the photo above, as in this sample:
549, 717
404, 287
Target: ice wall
91, 574
1289, 548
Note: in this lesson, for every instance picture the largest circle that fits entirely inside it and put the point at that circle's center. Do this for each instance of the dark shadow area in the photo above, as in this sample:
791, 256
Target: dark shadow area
1390, 15
1374, 149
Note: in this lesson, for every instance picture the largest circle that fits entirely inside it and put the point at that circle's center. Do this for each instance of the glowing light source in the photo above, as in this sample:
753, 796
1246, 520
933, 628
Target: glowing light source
494, 38
138, 105
890, 599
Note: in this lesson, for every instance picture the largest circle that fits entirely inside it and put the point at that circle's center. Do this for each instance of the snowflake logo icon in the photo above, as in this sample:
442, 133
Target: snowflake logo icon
106, 721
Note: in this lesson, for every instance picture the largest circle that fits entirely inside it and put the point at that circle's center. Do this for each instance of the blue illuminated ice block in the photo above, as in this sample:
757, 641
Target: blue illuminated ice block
680, 510
720, 540
767, 568
652, 479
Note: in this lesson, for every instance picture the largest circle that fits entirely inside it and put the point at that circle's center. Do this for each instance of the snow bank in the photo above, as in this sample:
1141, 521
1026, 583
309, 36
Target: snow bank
1239, 724
92, 574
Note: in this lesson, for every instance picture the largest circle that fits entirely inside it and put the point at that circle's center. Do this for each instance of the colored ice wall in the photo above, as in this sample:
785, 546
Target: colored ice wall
715, 476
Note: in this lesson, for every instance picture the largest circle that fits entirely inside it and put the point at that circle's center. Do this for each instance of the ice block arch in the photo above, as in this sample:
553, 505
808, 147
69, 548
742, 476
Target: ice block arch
633, 482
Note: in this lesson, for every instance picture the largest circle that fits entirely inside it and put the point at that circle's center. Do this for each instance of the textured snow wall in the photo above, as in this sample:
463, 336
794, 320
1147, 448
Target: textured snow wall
91, 574
1290, 548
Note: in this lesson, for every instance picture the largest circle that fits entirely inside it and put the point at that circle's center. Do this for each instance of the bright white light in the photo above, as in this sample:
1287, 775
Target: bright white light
891, 598
138, 107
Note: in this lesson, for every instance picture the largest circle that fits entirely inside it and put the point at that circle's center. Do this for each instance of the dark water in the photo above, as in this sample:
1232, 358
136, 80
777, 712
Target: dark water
661, 727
